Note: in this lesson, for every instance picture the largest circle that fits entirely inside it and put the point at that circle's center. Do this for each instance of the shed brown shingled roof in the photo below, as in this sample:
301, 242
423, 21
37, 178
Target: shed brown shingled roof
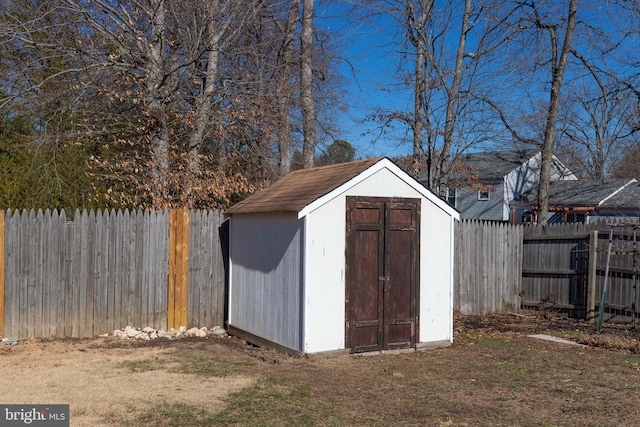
299, 188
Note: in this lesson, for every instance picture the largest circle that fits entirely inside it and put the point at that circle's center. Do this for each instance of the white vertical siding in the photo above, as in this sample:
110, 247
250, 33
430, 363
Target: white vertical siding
265, 282
436, 275
325, 278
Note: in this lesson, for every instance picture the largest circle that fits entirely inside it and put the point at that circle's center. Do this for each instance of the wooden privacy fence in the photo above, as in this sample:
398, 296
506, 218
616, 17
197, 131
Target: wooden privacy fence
556, 267
101, 271
501, 267
564, 268
622, 299
488, 268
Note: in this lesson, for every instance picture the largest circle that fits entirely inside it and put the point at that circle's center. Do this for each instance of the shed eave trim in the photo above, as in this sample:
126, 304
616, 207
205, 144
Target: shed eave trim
383, 163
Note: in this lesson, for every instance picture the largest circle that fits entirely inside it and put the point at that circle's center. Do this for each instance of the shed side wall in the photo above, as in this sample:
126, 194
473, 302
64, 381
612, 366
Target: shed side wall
265, 288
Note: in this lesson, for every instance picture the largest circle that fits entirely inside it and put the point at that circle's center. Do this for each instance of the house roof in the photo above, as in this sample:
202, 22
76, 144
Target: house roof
628, 197
299, 188
494, 165
623, 192
303, 190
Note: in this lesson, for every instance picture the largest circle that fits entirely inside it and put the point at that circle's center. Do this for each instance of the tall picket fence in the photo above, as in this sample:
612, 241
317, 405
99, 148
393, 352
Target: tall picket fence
94, 272
488, 268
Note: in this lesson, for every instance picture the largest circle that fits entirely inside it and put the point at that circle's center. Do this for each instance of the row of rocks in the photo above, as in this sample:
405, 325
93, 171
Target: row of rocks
148, 333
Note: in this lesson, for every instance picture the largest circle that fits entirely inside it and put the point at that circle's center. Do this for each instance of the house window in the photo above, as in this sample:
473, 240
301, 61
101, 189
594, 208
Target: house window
451, 197
483, 194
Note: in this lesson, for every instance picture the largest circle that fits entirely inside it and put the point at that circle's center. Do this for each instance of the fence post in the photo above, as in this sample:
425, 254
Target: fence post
592, 275
1, 273
178, 268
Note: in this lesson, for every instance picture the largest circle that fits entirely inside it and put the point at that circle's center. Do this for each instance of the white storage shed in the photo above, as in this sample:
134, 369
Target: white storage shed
352, 257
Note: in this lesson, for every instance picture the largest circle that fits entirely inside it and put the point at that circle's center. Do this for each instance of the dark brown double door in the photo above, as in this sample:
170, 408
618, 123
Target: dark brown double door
382, 273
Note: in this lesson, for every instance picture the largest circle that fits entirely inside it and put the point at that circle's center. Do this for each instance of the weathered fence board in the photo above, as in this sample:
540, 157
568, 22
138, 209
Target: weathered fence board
206, 269
104, 270
555, 267
488, 267
623, 298
564, 267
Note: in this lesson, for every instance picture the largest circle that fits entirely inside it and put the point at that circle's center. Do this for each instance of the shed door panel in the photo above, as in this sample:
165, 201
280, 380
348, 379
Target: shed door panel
382, 253
367, 263
400, 263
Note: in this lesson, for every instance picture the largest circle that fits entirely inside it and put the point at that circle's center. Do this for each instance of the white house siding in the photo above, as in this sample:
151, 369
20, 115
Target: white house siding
325, 265
525, 178
265, 288
522, 179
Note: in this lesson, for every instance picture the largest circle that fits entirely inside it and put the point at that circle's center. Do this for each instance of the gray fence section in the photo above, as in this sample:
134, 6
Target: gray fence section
488, 268
100, 271
622, 299
556, 266
206, 306
564, 268
502, 267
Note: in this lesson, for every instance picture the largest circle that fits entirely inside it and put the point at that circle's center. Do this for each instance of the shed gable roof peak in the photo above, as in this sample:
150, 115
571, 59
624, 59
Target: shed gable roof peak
297, 189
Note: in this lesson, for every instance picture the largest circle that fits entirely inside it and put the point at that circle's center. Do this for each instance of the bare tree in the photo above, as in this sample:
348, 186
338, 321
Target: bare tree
558, 62
548, 45
154, 44
174, 90
220, 17
452, 91
283, 92
418, 14
306, 84
598, 124
449, 77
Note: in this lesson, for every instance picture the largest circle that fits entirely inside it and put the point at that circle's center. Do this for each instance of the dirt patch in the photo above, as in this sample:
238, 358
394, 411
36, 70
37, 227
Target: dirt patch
100, 378
614, 336
492, 375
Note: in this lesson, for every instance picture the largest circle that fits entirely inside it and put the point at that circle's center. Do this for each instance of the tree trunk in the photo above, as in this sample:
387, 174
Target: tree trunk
558, 69
158, 131
418, 38
283, 97
306, 80
453, 96
204, 107
420, 87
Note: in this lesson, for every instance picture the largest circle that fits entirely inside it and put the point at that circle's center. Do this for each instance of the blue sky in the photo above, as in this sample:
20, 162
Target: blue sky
370, 75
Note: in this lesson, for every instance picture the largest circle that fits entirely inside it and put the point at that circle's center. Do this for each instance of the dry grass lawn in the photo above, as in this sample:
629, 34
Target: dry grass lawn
492, 375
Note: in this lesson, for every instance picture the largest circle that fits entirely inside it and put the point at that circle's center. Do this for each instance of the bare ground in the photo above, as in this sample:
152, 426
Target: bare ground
492, 375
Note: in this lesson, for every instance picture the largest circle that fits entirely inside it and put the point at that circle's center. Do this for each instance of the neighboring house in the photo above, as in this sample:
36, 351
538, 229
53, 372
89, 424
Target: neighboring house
353, 257
487, 183
588, 200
